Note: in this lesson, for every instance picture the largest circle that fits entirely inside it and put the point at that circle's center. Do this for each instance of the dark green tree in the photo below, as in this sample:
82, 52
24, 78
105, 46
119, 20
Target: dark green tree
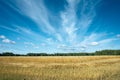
8, 54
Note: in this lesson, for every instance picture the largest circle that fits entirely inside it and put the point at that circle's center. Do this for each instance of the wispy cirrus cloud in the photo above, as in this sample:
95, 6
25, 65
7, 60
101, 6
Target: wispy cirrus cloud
23, 31
69, 19
34, 10
74, 27
38, 13
69, 31
95, 40
107, 40
71, 24
27, 31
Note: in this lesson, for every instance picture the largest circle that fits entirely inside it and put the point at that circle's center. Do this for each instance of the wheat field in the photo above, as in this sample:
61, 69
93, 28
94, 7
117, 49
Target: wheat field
60, 68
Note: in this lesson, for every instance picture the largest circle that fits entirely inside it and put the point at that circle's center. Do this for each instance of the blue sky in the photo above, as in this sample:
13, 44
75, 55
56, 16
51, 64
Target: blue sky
59, 25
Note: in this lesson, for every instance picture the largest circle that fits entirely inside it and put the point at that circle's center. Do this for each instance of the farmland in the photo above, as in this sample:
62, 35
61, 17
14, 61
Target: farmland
60, 68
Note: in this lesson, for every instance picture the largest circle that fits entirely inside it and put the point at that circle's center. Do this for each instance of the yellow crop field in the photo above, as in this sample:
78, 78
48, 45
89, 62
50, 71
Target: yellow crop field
60, 68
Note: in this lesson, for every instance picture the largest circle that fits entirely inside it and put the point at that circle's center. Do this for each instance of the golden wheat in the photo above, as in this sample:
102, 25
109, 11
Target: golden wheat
60, 68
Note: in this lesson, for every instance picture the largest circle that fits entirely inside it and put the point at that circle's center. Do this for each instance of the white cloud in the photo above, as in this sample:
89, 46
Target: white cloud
90, 39
68, 21
8, 41
13, 42
30, 44
23, 31
107, 40
118, 35
2, 37
73, 48
94, 43
59, 37
61, 46
71, 24
10, 29
37, 11
95, 39
49, 39
28, 31
83, 49
43, 44
73, 28
40, 14
87, 15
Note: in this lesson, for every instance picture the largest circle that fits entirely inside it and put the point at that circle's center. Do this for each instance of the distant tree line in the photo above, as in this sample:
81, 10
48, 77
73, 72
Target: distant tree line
10, 54
102, 52
108, 52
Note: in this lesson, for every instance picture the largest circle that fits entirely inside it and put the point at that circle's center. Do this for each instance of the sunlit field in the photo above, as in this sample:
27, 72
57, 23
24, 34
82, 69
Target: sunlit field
60, 68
